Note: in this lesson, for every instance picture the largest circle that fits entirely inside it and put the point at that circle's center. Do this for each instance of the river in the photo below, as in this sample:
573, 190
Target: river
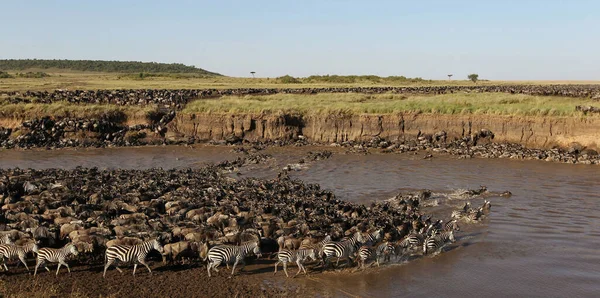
541, 242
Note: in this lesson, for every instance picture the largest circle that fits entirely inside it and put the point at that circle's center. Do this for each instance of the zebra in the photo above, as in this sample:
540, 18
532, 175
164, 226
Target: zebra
451, 225
372, 237
11, 251
131, 253
299, 256
458, 214
436, 242
230, 253
384, 250
342, 249
318, 247
412, 240
434, 227
55, 255
474, 214
364, 253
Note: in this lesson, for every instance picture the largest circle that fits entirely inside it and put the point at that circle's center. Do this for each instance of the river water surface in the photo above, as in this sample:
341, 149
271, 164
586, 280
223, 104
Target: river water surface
544, 241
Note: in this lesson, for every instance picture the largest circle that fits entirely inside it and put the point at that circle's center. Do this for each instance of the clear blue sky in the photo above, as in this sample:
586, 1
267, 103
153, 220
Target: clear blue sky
500, 40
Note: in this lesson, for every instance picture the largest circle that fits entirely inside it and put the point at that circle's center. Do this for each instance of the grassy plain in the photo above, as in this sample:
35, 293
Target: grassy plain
95, 80
354, 103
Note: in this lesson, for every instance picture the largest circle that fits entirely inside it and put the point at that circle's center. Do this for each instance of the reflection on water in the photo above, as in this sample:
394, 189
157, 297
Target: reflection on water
541, 242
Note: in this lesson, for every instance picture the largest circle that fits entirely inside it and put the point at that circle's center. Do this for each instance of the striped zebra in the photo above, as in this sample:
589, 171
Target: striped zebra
363, 255
131, 253
55, 255
372, 237
412, 240
11, 252
451, 225
299, 256
231, 254
436, 242
318, 247
474, 214
384, 250
458, 214
342, 249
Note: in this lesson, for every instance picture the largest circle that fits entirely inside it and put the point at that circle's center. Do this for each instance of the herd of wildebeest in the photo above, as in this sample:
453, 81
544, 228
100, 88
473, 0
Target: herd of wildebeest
176, 99
196, 213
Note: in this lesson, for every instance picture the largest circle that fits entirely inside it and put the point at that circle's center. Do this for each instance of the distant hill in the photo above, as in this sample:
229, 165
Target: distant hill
102, 66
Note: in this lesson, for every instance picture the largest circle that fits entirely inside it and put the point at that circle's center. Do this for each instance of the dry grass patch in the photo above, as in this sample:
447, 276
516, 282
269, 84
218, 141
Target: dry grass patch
355, 103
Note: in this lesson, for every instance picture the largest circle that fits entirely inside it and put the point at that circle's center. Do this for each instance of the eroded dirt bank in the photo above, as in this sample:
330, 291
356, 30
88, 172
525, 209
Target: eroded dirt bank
534, 132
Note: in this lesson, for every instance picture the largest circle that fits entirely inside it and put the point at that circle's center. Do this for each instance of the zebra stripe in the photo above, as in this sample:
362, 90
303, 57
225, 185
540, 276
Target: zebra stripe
342, 249
55, 255
299, 256
384, 250
230, 253
318, 247
131, 253
452, 226
412, 240
436, 242
372, 237
364, 254
11, 252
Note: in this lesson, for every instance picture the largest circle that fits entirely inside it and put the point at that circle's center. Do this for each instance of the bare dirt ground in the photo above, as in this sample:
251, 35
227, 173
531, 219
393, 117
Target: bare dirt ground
256, 280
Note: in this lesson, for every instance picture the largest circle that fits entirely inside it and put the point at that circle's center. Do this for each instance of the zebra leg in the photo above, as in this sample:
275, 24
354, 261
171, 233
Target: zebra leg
208, 267
300, 268
134, 267
235, 264
108, 263
58, 269
66, 265
38, 263
22, 258
285, 269
147, 267
276, 264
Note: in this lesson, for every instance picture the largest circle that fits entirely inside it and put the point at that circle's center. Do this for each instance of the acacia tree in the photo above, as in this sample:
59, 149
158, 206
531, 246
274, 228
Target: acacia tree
450, 76
473, 77
253, 72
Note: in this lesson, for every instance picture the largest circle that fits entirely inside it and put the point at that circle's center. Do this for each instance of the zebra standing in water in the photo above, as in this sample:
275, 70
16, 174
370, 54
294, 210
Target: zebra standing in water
413, 240
11, 251
230, 253
384, 250
131, 253
364, 254
436, 242
342, 249
299, 256
55, 255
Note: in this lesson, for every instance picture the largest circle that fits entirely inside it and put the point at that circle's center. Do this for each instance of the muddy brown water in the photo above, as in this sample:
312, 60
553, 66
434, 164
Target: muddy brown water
544, 241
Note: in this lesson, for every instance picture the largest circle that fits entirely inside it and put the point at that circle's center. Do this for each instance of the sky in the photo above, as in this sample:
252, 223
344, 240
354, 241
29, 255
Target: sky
499, 40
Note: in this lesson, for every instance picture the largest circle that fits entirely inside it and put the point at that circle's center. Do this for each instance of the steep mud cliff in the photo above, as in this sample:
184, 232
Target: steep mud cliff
541, 132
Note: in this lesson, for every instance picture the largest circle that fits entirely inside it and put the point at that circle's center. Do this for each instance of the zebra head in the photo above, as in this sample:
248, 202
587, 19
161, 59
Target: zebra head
358, 237
72, 249
453, 225
451, 236
256, 249
157, 246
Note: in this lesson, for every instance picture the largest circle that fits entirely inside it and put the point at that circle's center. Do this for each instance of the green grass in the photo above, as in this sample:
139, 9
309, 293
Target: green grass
353, 104
65, 109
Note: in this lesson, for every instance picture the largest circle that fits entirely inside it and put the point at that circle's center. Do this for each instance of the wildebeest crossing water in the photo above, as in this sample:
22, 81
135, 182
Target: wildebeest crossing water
541, 241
